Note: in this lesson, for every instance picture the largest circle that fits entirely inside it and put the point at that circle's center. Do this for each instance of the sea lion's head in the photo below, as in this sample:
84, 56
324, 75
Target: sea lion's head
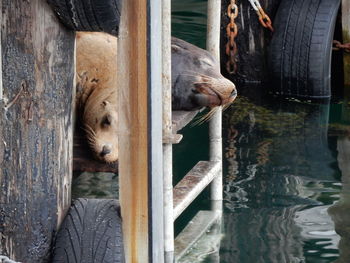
100, 122
196, 78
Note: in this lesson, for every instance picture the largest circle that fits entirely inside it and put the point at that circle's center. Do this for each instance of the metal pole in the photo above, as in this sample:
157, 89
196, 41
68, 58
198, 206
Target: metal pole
215, 124
215, 138
167, 133
155, 83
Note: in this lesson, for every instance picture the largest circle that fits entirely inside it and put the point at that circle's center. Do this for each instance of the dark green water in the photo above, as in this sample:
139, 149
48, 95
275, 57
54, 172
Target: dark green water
286, 172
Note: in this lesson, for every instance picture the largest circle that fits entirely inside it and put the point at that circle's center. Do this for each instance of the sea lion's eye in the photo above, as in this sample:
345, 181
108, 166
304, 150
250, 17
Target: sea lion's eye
107, 120
206, 62
104, 103
175, 48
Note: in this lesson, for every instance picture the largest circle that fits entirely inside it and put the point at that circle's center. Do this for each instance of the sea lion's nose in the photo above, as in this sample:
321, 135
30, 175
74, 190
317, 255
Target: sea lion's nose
105, 150
233, 93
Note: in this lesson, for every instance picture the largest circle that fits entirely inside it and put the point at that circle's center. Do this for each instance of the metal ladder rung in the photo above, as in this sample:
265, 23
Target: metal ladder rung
193, 184
194, 230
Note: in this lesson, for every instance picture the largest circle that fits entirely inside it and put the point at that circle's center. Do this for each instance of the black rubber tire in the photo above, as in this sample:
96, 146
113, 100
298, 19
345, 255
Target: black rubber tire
300, 51
89, 15
90, 233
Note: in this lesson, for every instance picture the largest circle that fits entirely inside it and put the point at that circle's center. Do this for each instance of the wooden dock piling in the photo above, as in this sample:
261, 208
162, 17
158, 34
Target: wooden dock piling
35, 128
140, 131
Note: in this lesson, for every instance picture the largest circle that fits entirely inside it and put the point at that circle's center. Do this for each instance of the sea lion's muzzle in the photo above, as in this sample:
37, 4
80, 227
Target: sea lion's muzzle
214, 92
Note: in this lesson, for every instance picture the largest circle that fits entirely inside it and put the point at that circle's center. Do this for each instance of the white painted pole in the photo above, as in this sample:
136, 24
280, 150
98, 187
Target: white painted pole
167, 133
155, 83
215, 134
215, 124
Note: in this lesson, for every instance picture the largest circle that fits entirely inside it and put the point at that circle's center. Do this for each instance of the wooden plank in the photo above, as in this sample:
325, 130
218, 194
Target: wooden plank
193, 184
133, 128
194, 230
35, 128
346, 39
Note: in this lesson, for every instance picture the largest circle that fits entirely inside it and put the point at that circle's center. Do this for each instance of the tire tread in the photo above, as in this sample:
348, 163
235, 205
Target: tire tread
90, 233
297, 57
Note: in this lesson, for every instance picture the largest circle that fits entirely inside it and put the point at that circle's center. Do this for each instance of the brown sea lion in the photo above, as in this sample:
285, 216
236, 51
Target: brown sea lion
196, 83
96, 68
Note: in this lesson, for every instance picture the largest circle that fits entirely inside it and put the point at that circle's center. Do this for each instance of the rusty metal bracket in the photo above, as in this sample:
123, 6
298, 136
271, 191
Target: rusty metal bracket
337, 45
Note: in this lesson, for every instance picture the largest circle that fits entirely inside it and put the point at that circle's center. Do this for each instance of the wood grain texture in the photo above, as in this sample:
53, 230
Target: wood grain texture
133, 125
35, 128
252, 41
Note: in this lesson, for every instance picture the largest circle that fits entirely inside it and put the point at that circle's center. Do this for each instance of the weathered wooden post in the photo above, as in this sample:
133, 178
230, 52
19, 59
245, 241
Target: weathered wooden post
35, 127
140, 130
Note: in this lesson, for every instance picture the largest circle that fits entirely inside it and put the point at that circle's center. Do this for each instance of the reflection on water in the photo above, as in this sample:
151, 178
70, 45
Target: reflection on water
286, 170
340, 211
92, 185
282, 178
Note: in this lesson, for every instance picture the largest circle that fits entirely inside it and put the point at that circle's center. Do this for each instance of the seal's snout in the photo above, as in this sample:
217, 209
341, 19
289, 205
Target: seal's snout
214, 91
106, 149
233, 94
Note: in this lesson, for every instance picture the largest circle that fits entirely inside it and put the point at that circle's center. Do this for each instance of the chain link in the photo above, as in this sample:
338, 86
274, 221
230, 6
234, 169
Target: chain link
264, 19
4, 259
337, 45
231, 32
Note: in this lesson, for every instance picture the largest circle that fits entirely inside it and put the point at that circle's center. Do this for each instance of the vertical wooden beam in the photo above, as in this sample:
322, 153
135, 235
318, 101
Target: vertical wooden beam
35, 128
140, 130
346, 39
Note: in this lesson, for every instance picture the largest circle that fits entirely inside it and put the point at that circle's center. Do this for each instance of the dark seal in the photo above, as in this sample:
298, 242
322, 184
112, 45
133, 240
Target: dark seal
196, 78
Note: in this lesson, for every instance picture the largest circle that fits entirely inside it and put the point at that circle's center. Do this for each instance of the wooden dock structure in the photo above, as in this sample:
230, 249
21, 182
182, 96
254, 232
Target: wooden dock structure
36, 129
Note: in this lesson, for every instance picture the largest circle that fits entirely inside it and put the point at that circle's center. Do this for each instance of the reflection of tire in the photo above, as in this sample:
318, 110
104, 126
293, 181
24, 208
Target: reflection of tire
300, 51
91, 232
92, 15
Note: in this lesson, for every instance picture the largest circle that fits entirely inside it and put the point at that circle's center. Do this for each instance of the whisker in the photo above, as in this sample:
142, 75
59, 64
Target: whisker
206, 117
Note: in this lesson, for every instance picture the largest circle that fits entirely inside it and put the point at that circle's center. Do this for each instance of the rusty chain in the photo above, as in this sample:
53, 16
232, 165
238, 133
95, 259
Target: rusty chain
231, 32
337, 45
264, 19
